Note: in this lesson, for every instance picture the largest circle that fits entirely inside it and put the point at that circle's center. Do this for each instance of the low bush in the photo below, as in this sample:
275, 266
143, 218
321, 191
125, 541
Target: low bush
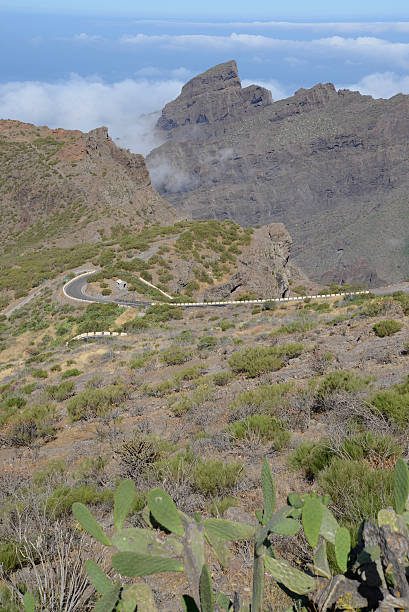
30, 424
254, 361
39, 373
376, 449
225, 325
387, 328
394, 404
213, 477
62, 391
342, 380
267, 428
94, 402
221, 379
206, 343
220, 504
161, 313
264, 399
136, 324
70, 373
140, 361
60, 501
175, 355
182, 405
357, 490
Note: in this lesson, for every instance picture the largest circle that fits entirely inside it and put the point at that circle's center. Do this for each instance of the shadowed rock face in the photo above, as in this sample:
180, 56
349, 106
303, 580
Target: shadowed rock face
211, 97
333, 166
262, 267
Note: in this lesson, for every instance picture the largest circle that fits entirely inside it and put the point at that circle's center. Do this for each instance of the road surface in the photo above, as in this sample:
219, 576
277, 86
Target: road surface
75, 290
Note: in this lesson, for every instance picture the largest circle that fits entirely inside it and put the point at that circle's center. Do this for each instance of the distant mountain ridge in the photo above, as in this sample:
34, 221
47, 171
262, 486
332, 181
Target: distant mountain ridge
333, 166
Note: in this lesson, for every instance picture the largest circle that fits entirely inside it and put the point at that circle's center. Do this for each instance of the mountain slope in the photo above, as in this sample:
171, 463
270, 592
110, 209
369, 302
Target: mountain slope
65, 187
331, 165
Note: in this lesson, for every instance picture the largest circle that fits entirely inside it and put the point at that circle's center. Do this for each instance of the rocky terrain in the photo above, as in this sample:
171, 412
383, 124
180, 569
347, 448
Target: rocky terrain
61, 187
331, 165
192, 401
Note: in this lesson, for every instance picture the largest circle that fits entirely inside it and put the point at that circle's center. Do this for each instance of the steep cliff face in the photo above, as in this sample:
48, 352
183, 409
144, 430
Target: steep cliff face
74, 185
333, 166
211, 97
262, 267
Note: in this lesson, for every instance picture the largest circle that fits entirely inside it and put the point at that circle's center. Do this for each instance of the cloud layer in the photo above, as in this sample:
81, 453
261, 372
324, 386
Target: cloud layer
128, 107
84, 104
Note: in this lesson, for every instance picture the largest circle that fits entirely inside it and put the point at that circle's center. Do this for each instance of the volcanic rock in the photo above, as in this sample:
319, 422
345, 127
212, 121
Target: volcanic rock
333, 166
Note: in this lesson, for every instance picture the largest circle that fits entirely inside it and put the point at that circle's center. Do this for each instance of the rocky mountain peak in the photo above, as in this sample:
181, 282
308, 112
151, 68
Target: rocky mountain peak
214, 95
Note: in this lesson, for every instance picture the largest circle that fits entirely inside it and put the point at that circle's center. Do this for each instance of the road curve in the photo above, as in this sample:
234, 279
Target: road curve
75, 290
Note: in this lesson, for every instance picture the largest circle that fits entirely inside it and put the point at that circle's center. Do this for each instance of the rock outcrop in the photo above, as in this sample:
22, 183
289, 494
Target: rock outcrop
262, 267
76, 185
333, 166
211, 97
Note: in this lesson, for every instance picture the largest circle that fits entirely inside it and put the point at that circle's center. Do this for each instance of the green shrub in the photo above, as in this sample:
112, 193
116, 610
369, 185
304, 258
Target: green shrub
342, 380
98, 317
55, 468
221, 379
175, 355
387, 327
70, 373
10, 559
140, 361
161, 313
94, 402
213, 477
220, 504
311, 457
30, 424
135, 324
39, 373
269, 306
394, 404
357, 491
60, 501
225, 325
300, 325
264, 399
15, 402
269, 429
182, 405
256, 360
106, 291
206, 342
189, 373
28, 389
60, 392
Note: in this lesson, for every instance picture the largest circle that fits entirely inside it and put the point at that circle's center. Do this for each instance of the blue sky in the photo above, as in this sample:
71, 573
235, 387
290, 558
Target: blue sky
228, 9
80, 64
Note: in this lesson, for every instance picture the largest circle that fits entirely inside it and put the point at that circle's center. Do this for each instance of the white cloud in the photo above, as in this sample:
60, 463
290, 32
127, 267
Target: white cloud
342, 27
367, 47
83, 37
86, 103
381, 85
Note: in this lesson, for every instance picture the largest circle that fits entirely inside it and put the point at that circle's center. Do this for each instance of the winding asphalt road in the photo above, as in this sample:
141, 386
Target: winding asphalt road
75, 290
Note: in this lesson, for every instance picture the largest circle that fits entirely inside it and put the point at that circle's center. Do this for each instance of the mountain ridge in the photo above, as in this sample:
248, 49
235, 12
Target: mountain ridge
332, 165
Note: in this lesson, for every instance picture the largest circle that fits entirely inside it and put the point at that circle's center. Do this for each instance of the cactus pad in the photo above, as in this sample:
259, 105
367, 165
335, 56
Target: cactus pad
88, 522
164, 511
135, 564
296, 581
